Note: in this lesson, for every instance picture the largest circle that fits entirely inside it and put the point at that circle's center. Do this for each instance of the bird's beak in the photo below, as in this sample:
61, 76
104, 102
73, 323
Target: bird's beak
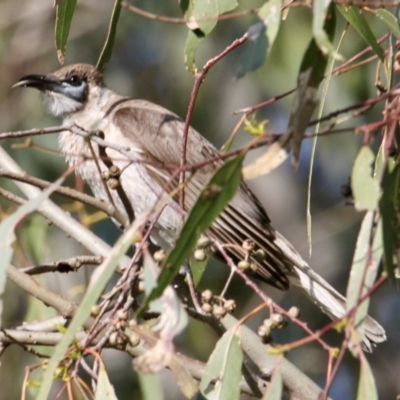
41, 82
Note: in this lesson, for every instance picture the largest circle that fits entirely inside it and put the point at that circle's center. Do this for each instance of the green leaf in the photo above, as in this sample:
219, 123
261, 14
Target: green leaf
201, 18
64, 14
366, 188
205, 13
274, 389
323, 40
7, 235
314, 62
389, 207
364, 268
150, 270
225, 367
150, 386
198, 268
356, 19
193, 40
211, 202
108, 45
35, 237
104, 390
261, 35
389, 20
366, 384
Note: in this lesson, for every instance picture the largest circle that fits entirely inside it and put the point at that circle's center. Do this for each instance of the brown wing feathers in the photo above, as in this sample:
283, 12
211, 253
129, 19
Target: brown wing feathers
234, 225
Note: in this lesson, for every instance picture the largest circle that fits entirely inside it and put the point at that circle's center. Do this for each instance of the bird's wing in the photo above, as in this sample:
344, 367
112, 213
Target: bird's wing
158, 133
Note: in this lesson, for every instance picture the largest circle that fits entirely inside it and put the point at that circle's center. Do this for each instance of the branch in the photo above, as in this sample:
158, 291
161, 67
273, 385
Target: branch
25, 282
66, 265
73, 194
59, 217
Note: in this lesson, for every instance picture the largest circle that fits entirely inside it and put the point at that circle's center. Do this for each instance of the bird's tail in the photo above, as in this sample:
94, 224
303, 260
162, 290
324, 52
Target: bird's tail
325, 296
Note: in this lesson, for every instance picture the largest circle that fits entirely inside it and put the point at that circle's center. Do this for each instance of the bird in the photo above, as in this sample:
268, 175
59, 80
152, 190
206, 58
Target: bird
152, 137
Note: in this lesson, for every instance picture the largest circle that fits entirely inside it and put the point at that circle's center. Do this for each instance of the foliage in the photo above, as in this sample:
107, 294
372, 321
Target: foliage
115, 314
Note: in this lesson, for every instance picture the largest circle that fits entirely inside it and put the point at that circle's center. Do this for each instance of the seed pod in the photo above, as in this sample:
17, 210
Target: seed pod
253, 267
218, 311
294, 312
268, 324
199, 255
105, 175
159, 255
278, 321
113, 338
141, 286
95, 310
113, 183
206, 295
230, 305
243, 265
259, 255
248, 245
132, 322
206, 307
122, 314
134, 339
203, 242
115, 171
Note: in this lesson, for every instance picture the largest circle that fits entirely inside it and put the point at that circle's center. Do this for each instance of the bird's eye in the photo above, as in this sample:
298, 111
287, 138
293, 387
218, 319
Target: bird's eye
74, 80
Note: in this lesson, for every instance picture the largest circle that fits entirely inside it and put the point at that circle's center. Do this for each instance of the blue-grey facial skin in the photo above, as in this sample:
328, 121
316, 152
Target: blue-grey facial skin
71, 87
76, 92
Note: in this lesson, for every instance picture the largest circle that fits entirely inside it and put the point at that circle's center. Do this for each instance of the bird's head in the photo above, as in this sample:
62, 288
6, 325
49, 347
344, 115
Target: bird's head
67, 90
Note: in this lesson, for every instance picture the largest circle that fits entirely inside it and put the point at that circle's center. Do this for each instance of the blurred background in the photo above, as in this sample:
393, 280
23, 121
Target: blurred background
147, 63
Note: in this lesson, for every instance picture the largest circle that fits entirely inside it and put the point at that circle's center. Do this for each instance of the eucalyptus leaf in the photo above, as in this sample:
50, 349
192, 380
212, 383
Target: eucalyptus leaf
261, 35
64, 13
210, 203
201, 18
109, 43
225, 368
366, 384
365, 187
104, 390
354, 16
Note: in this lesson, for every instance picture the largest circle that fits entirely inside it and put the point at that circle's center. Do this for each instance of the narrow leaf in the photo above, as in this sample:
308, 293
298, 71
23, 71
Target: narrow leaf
274, 390
7, 235
366, 384
224, 369
192, 42
211, 202
320, 11
205, 13
108, 45
271, 159
356, 19
311, 73
198, 268
366, 188
389, 20
261, 35
150, 386
315, 61
64, 14
389, 207
201, 17
183, 378
364, 268
104, 390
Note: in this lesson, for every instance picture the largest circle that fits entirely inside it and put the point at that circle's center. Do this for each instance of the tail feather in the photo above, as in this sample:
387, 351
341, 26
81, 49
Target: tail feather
331, 302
